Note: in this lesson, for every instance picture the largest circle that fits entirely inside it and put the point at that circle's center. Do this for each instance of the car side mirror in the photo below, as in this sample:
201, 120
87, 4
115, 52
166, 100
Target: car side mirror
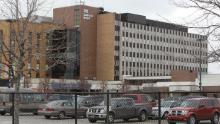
201, 106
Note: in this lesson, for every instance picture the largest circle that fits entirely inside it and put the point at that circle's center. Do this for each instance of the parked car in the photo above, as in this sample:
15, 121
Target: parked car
28, 103
193, 110
141, 98
165, 107
61, 109
53, 97
90, 101
120, 108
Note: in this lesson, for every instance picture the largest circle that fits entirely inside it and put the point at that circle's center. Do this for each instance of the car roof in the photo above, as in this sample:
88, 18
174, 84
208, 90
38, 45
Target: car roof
122, 98
135, 94
205, 98
59, 101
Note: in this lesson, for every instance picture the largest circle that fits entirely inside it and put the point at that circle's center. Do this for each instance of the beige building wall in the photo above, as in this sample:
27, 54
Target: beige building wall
105, 46
37, 55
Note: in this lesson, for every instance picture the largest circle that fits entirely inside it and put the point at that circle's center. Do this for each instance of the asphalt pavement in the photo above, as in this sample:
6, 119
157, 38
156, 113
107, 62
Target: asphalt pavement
30, 119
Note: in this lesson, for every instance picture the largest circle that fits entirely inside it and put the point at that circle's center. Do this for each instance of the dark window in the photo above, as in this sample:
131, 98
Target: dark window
117, 38
117, 28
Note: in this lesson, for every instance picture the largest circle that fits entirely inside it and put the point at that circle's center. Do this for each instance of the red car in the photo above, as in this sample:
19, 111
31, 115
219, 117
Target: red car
193, 110
141, 98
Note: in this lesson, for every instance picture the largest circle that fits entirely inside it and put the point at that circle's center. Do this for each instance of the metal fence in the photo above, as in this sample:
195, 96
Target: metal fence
92, 107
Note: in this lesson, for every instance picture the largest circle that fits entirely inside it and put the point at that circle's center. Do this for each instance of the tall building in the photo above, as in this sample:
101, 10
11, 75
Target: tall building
36, 42
113, 45
84, 18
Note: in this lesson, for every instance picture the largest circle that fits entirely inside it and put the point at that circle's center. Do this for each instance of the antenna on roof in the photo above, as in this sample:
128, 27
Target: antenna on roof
80, 2
167, 20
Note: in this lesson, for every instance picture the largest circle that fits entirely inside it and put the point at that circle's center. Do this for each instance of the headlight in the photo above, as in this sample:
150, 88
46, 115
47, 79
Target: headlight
184, 112
102, 111
170, 111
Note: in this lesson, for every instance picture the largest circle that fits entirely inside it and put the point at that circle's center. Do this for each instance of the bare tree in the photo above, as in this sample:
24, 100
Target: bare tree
206, 19
20, 13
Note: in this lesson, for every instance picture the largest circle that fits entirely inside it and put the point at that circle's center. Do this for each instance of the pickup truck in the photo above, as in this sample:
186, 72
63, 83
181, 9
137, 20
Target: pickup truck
120, 108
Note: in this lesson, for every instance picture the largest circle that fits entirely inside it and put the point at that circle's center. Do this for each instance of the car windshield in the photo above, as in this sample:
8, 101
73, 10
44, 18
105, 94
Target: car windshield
131, 96
166, 103
176, 104
113, 101
190, 103
54, 103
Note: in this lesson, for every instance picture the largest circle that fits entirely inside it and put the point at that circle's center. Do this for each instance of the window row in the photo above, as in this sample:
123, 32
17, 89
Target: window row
163, 48
154, 66
163, 39
165, 73
161, 30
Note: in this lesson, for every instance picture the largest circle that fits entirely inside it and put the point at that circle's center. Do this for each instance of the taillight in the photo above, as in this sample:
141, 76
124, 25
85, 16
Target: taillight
50, 109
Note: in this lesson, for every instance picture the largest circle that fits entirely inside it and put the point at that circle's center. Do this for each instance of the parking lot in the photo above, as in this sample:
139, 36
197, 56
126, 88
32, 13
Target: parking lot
30, 119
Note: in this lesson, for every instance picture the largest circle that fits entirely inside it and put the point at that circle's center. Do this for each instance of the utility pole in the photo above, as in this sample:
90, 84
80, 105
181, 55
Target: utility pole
200, 65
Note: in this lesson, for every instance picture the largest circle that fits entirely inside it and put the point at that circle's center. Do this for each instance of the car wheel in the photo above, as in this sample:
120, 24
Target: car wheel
3, 113
47, 116
92, 120
171, 122
142, 116
11, 112
61, 115
215, 118
126, 119
35, 113
110, 118
165, 115
192, 120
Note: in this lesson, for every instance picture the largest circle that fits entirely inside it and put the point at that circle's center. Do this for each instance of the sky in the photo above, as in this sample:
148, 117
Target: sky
162, 10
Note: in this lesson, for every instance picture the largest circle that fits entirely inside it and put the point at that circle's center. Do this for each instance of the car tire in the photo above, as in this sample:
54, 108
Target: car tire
47, 116
35, 113
165, 115
215, 118
142, 116
110, 118
61, 115
11, 112
92, 120
3, 113
192, 120
171, 122
126, 119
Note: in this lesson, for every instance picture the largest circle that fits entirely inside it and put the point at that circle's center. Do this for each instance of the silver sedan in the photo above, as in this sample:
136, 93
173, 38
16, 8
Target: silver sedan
61, 109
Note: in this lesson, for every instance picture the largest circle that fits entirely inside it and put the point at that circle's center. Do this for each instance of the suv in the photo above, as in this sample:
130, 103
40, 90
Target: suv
90, 101
141, 98
120, 108
193, 110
